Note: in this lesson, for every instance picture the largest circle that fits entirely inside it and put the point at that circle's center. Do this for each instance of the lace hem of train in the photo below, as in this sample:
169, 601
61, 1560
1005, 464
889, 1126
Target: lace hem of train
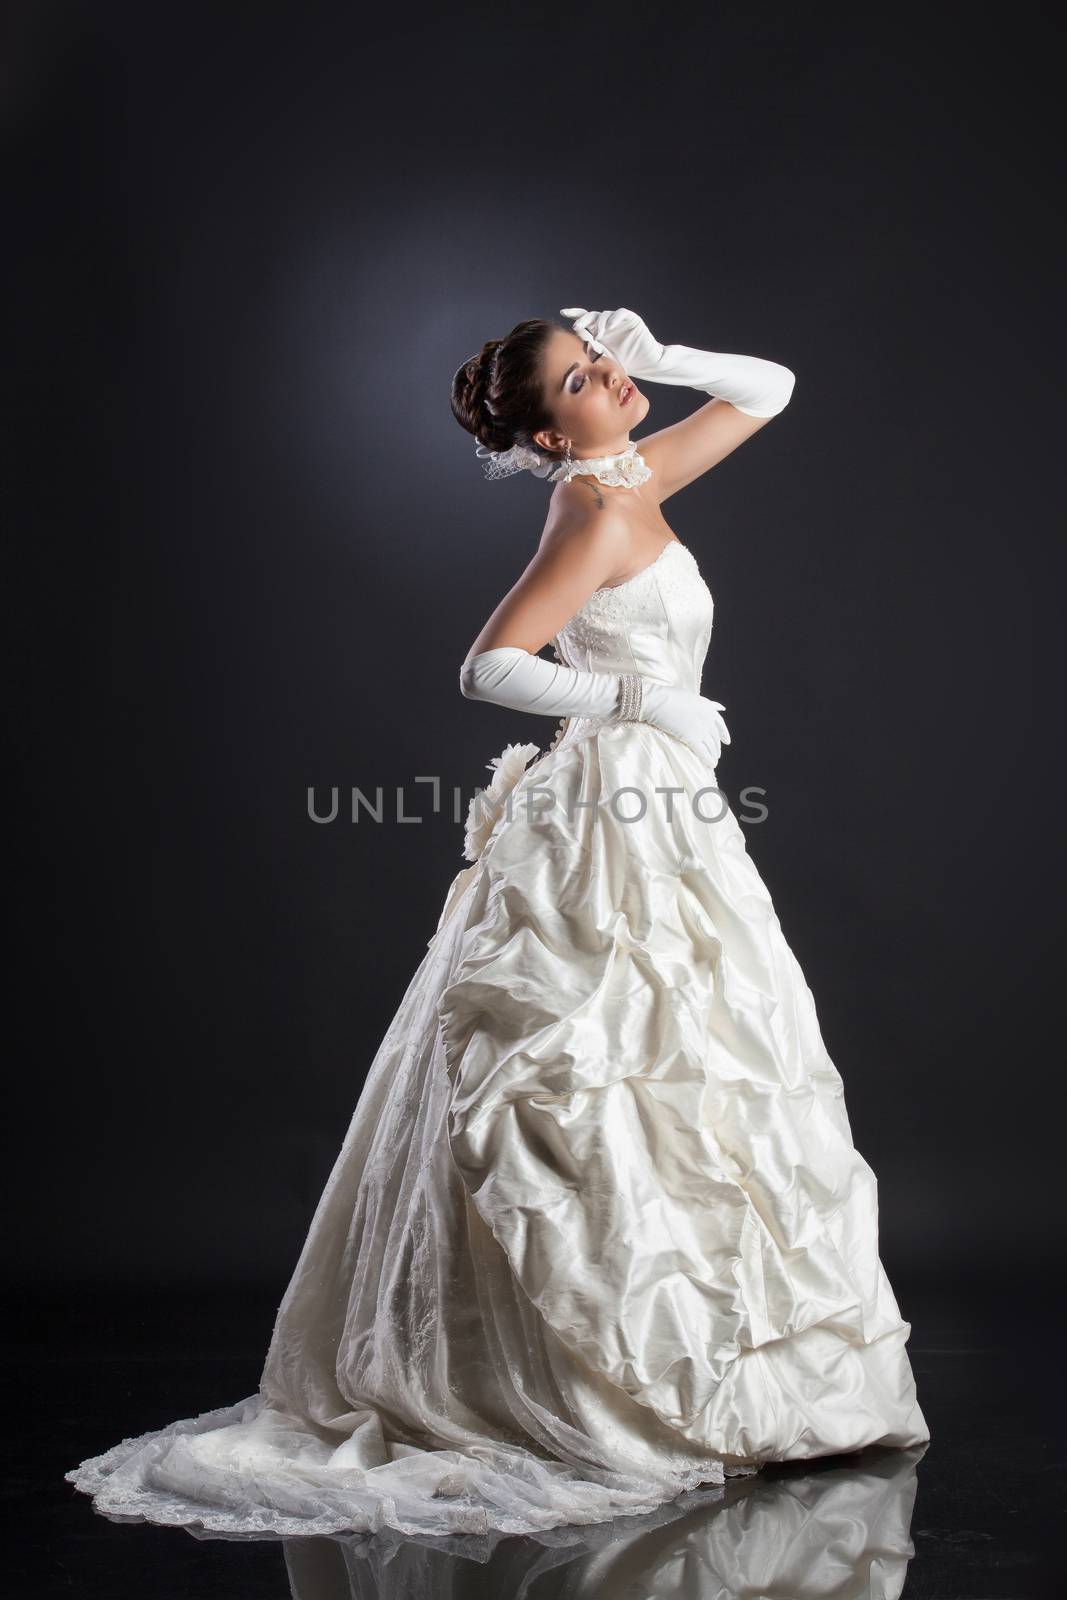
245, 1481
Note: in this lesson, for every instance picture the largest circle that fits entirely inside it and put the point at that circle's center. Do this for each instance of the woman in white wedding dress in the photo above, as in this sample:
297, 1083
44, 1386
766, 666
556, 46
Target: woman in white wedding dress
598, 1232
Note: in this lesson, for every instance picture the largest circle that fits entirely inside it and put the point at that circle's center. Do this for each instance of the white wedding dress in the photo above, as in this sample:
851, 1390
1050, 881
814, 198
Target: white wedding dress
598, 1232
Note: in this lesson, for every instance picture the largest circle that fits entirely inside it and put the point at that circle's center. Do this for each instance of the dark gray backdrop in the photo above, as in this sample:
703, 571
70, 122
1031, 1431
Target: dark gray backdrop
250, 547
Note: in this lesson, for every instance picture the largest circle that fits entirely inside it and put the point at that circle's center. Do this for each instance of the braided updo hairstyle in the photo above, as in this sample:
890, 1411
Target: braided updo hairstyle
497, 394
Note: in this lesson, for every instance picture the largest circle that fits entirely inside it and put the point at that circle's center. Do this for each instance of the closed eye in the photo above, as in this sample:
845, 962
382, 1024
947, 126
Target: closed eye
576, 388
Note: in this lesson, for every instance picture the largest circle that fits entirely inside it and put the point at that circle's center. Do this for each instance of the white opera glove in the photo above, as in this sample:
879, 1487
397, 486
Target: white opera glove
757, 387
510, 676
689, 716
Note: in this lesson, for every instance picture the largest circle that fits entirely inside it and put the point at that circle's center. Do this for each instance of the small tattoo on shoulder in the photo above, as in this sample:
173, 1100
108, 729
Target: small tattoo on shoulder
597, 494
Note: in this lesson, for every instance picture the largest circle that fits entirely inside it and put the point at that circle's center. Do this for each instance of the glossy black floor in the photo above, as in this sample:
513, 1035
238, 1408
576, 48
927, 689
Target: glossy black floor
977, 1515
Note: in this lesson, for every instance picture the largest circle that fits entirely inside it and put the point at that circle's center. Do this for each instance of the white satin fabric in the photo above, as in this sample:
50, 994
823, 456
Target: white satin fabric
597, 1233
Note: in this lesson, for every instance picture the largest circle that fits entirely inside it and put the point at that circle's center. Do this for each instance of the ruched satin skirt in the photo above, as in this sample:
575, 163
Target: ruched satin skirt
597, 1233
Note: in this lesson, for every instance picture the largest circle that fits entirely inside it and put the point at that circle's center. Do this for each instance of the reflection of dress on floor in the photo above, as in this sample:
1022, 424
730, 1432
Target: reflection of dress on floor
597, 1232
829, 1531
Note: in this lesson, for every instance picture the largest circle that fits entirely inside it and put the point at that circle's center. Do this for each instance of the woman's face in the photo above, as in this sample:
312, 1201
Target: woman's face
584, 391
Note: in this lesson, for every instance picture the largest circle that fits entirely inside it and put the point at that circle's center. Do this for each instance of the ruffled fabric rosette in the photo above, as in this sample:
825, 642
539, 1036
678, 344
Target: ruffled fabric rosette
483, 814
487, 806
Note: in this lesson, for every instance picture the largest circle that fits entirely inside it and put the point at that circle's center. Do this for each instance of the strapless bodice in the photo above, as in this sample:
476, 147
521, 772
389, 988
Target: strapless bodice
657, 623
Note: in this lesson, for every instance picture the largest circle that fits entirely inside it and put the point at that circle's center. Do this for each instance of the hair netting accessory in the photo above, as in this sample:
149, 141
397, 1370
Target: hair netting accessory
520, 458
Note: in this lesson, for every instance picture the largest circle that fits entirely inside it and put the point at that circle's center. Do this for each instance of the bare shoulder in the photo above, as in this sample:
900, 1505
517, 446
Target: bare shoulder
581, 550
578, 531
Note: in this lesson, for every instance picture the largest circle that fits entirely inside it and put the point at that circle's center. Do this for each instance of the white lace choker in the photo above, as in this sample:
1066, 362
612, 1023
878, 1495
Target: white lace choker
622, 471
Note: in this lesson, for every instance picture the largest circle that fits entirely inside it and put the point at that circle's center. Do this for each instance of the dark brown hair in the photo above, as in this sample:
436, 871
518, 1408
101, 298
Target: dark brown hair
497, 394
